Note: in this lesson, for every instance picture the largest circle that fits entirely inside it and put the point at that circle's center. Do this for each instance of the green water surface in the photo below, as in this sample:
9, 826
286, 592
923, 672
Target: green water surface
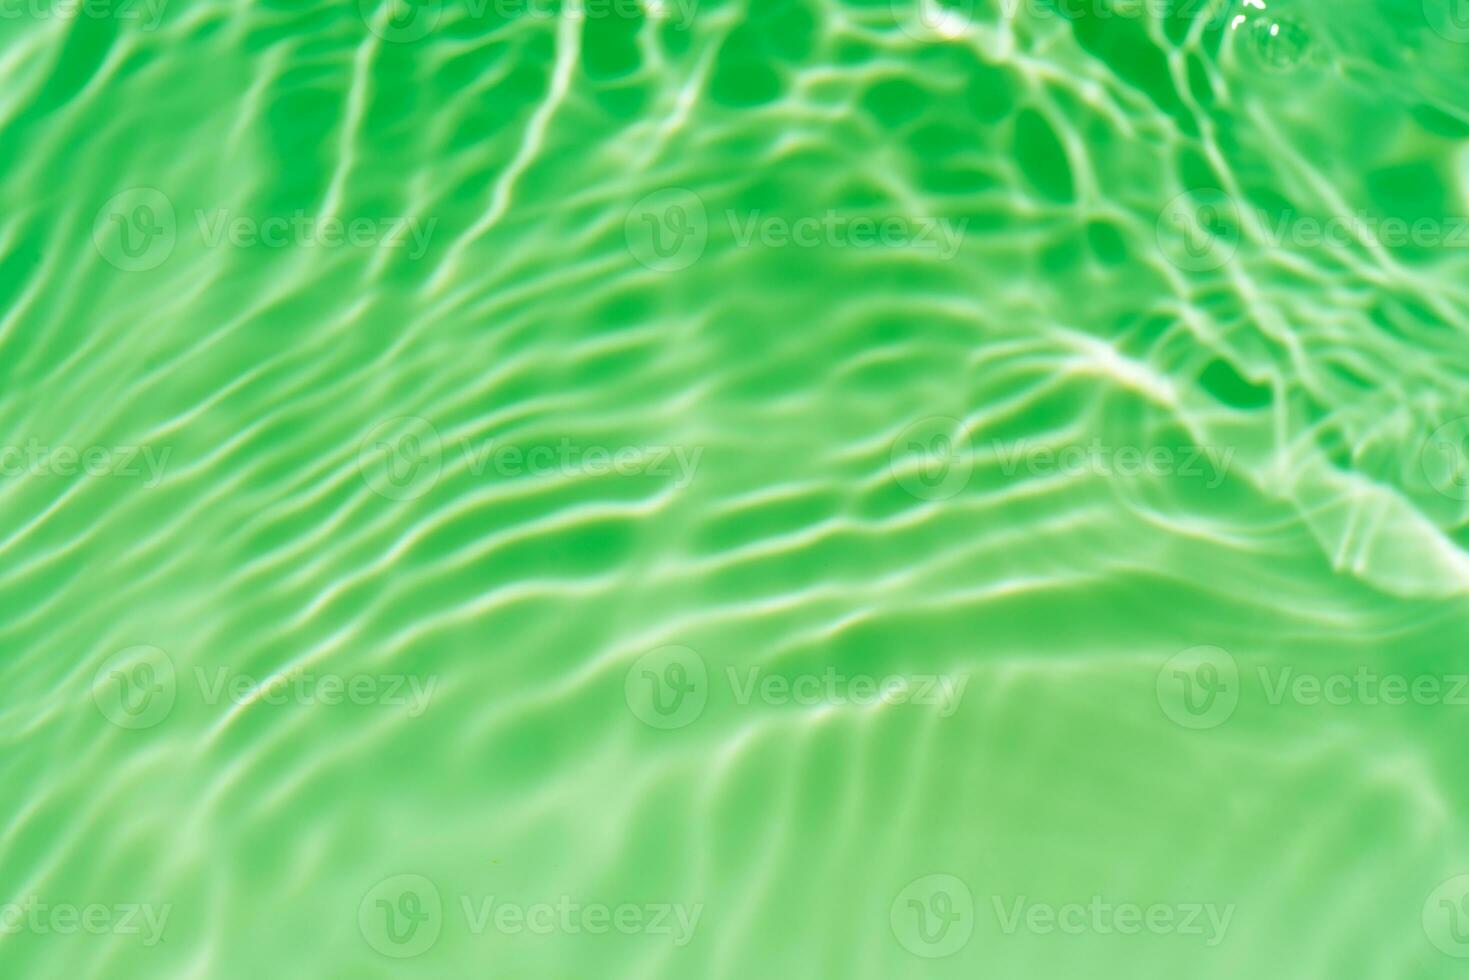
713, 489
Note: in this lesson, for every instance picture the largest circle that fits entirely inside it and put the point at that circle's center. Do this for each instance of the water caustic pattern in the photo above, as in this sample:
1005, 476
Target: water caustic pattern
792, 488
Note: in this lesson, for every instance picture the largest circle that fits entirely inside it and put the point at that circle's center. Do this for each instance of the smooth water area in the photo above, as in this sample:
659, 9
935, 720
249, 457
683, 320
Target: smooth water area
694, 489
